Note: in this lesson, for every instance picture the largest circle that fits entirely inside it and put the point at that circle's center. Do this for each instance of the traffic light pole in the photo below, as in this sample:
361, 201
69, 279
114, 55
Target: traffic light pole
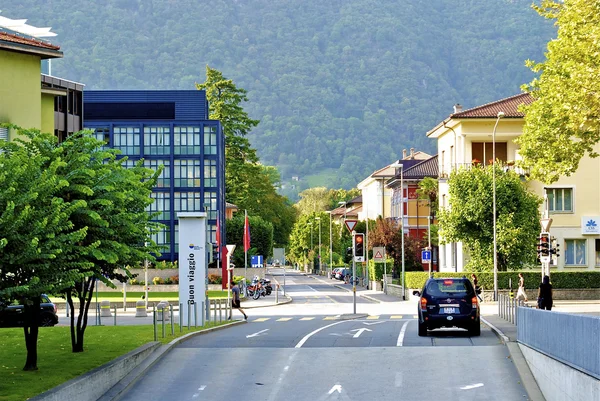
354, 271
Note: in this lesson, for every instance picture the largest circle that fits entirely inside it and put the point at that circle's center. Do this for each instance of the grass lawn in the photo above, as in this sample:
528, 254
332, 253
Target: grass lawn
57, 364
137, 295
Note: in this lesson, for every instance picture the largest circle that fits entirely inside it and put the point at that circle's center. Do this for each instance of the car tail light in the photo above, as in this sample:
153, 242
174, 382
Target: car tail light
474, 302
423, 303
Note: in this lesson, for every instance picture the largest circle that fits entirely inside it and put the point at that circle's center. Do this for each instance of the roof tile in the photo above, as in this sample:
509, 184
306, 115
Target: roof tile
509, 105
7, 37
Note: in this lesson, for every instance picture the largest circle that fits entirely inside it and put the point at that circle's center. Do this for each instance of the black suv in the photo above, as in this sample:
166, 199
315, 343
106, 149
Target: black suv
448, 302
12, 315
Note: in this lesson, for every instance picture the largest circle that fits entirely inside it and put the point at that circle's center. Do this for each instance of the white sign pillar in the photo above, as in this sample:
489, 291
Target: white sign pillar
192, 266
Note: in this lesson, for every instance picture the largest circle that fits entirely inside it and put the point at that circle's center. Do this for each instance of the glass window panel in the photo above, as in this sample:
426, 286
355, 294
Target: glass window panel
560, 199
187, 140
185, 202
127, 140
575, 252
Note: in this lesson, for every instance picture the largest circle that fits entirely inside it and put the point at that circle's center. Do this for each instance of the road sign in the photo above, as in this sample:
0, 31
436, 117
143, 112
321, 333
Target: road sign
378, 254
350, 224
256, 261
426, 256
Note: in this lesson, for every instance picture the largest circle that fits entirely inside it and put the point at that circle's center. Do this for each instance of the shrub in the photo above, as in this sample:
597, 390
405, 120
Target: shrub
506, 280
214, 279
157, 280
133, 282
175, 279
168, 280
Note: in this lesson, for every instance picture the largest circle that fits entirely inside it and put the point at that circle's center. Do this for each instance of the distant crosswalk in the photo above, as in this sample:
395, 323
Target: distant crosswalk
308, 318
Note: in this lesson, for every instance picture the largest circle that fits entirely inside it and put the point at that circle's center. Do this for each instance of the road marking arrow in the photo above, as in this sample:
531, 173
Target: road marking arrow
337, 387
360, 331
257, 333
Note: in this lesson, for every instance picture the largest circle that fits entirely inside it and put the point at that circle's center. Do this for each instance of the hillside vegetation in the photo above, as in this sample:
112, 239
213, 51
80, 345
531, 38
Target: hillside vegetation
338, 84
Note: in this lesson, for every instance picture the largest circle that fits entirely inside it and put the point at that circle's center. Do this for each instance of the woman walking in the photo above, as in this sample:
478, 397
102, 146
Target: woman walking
545, 294
477, 287
521, 291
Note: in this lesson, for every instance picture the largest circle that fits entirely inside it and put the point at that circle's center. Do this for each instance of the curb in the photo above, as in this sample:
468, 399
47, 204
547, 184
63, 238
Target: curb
370, 298
505, 340
527, 379
287, 301
118, 390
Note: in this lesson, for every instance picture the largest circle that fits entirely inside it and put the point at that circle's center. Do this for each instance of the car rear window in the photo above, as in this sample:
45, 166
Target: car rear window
455, 287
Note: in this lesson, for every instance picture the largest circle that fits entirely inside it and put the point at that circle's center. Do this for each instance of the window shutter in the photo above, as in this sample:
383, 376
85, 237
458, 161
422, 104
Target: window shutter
4, 134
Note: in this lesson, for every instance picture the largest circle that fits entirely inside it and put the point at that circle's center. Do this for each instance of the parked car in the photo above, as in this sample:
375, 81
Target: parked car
342, 273
448, 302
334, 272
12, 315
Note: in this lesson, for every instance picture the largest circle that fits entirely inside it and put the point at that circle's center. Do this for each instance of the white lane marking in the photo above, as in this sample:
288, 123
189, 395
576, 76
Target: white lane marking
258, 333
309, 335
372, 323
275, 392
401, 335
337, 387
472, 386
196, 395
399, 379
360, 331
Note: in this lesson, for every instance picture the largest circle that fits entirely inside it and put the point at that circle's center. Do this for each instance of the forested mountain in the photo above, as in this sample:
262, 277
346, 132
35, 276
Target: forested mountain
336, 84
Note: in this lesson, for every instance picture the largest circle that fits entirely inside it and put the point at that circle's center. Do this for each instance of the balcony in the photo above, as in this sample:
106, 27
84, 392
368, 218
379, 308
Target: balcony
506, 166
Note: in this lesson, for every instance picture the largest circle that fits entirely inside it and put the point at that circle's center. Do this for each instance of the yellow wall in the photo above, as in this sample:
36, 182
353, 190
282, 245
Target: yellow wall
20, 89
47, 113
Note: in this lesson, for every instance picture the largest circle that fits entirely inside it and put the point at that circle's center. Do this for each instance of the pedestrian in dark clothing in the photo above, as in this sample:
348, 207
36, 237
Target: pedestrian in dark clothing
235, 301
477, 287
545, 294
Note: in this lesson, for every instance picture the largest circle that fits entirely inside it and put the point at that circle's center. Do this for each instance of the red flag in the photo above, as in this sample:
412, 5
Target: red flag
246, 234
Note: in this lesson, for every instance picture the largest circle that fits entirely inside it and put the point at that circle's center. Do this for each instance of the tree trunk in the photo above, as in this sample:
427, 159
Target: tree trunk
31, 331
85, 290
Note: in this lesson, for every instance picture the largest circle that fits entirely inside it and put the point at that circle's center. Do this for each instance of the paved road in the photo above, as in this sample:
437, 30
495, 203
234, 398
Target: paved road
282, 354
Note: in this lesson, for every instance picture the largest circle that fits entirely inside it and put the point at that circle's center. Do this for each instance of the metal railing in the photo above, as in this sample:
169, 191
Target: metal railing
508, 308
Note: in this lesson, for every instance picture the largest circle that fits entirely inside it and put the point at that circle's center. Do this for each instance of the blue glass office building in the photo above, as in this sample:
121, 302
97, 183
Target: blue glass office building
169, 128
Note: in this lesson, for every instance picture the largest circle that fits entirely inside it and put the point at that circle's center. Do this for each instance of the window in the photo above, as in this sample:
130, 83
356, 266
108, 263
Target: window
127, 140
597, 252
210, 173
187, 173
102, 134
3, 134
210, 198
163, 239
164, 180
157, 140
210, 140
188, 202
129, 163
575, 252
187, 140
560, 200
162, 205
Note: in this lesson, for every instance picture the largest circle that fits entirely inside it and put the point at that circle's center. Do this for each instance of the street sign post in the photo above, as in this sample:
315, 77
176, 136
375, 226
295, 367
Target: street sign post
426, 256
379, 256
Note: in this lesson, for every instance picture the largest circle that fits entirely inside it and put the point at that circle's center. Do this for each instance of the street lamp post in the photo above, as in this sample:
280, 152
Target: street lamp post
319, 220
311, 246
500, 115
401, 167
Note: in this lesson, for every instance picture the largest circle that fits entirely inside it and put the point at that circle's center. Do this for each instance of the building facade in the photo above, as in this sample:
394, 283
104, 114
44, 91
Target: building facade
172, 129
23, 102
467, 137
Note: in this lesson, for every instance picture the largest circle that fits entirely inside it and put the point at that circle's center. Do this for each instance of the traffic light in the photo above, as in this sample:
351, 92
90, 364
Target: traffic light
359, 245
544, 246
349, 251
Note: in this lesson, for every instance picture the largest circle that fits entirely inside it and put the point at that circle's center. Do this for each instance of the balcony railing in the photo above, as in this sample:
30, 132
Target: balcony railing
446, 170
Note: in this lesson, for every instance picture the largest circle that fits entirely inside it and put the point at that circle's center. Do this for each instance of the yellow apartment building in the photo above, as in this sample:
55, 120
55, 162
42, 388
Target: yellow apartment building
466, 137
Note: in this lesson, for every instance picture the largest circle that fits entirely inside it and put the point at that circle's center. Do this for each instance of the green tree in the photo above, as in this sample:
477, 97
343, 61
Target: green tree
117, 225
36, 229
261, 238
562, 124
428, 190
470, 218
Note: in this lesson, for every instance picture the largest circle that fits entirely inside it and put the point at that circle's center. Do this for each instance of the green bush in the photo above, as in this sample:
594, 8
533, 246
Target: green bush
376, 269
214, 279
506, 280
168, 280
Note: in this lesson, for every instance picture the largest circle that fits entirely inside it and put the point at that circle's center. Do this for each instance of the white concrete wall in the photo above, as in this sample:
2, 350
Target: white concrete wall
560, 382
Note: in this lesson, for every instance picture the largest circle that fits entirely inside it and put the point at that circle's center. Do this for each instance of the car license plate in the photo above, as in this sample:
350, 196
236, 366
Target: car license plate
449, 311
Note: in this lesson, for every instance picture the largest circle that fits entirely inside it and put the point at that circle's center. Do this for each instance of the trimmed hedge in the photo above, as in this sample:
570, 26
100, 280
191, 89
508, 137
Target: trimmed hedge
562, 279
